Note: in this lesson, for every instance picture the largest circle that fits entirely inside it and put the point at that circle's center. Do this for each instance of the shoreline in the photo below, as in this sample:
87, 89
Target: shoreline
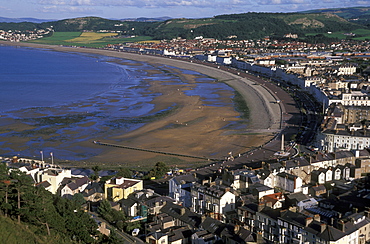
264, 114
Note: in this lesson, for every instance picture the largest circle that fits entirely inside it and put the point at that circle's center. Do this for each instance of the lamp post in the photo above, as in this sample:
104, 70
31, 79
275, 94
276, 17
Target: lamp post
52, 158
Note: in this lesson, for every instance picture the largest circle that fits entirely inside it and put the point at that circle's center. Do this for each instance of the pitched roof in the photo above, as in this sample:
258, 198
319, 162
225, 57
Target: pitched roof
287, 176
298, 197
184, 179
319, 188
183, 214
127, 202
259, 187
273, 198
294, 218
250, 207
73, 186
270, 212
44, 184
157, 235
161, 199
96, 186
331, 234
263, 174
213, 226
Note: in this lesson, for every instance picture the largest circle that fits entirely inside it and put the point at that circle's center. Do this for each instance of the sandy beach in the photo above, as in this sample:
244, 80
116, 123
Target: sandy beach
193, 129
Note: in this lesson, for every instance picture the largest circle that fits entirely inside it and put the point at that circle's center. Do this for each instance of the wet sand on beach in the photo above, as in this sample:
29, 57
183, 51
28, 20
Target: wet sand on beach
193, 129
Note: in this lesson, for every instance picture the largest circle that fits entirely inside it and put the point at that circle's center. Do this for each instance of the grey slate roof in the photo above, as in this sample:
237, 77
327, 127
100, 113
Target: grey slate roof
184, 179
297, 197
127, 202
189, 218
288, 176
294, 218
157, 235
151, 202
213, 226
331, 234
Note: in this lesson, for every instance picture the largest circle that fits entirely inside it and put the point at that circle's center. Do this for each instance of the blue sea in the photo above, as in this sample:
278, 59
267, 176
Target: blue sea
57, 101
35, 78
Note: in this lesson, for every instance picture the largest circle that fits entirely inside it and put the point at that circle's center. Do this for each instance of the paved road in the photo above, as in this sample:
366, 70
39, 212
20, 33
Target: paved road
127, 239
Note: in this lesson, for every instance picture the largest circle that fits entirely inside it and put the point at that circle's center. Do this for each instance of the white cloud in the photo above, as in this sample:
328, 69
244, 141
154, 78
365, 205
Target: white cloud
189, 8
147, 3
363, 2
282, 2
66, 9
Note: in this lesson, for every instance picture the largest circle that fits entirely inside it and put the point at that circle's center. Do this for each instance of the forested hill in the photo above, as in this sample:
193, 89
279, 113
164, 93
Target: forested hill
241, 26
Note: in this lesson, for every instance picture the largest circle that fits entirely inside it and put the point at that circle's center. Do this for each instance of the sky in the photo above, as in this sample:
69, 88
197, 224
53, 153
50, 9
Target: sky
121, 9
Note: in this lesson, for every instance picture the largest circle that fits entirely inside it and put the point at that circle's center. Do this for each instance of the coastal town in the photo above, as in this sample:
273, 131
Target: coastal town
309, 184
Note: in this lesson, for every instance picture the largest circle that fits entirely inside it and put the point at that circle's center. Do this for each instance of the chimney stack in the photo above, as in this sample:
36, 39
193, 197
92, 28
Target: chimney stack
308, 221
322, 228
341, 225
332, 221
261, 206
317, 217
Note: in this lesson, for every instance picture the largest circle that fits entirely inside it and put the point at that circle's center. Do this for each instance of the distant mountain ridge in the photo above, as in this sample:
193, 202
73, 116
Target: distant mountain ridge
145, 19
19, 20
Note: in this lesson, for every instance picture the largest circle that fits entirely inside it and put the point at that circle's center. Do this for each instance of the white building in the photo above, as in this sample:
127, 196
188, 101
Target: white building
179, 189
213, 200
289, 182
335, 140
353, 98
54, 176
346, 70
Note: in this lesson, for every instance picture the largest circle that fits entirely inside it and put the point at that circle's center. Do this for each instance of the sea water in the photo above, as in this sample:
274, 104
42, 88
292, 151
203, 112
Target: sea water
33, 78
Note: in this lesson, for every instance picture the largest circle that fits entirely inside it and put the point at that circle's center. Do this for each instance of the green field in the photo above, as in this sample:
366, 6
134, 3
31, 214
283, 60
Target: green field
58, 38
87, 39
360, 34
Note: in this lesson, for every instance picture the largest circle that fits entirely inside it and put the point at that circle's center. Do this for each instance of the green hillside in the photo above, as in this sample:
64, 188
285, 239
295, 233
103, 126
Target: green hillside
12, 232
242, 26
359, 15
257, 25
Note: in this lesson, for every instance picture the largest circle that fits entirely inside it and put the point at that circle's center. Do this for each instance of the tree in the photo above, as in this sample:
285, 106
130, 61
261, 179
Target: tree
113, 238
130, 226
4, 186
96, 170
44, 212
105, 210
159, 170
124, 172
21, 184
78, 199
